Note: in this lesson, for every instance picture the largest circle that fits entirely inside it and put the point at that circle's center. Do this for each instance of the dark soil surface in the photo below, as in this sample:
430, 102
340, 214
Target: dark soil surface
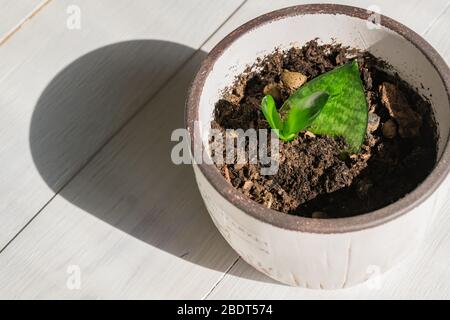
315, 178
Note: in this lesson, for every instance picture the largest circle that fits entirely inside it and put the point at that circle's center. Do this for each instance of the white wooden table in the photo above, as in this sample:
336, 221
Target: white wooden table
90, 204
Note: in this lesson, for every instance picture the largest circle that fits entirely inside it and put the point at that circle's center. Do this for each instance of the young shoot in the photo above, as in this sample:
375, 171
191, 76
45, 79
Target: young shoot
299, 116
332, 104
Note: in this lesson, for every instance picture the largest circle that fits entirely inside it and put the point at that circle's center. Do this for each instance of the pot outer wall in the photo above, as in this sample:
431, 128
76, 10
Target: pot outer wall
319, 261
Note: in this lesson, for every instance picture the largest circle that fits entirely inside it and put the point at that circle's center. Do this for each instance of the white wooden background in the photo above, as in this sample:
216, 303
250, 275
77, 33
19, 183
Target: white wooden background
85, 174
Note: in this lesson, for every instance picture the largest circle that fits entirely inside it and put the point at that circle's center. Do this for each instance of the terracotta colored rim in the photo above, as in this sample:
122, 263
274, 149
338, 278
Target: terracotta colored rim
296, 223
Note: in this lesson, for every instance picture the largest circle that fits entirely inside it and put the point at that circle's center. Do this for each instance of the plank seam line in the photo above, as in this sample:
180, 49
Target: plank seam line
26, 224
436, 19
220, 279
27, 18
126, 122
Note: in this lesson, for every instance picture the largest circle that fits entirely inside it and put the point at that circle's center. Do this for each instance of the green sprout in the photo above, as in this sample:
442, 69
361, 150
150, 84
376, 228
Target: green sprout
332, 104
298, 117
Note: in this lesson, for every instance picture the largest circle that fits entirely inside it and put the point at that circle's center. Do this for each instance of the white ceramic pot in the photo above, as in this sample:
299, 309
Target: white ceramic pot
321, 253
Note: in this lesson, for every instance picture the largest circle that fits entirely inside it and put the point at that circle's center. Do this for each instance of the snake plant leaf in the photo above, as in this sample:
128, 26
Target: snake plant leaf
345, 112
302, 112
269, 109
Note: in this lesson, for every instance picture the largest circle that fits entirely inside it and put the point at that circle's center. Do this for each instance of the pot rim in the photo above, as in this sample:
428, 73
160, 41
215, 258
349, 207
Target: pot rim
304, 224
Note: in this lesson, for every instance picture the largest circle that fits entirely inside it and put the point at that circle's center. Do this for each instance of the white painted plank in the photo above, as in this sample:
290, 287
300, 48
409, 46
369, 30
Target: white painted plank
65, 91
132, 221
158, 215
437, 34
427, 272
13, 13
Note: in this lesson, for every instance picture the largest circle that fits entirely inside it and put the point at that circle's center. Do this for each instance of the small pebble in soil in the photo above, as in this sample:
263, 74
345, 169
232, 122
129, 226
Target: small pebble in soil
309, 134
293, 80
409, 121
373, 122
247, 186
273, 89
389, 129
